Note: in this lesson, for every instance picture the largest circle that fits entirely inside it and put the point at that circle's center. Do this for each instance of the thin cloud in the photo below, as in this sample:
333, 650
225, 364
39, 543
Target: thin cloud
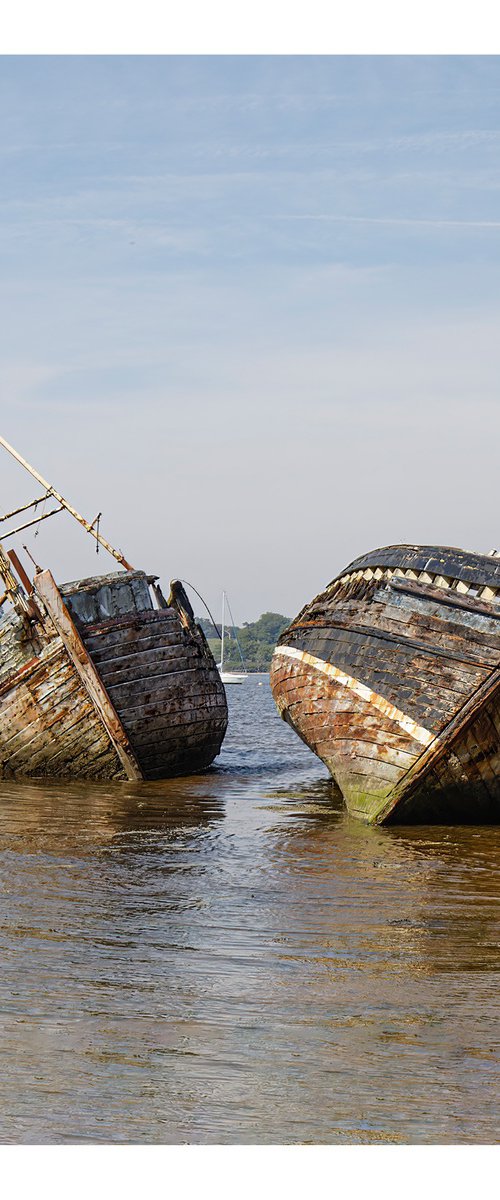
440, 222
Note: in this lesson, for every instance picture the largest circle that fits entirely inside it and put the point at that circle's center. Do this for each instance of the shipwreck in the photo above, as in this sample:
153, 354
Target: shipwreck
102, 678
392, 677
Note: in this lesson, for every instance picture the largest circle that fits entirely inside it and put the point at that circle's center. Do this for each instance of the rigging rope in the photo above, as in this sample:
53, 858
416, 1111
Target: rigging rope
190, 585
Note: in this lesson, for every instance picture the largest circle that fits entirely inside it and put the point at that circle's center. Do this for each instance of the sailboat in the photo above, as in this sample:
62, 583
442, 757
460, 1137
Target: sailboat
229, 676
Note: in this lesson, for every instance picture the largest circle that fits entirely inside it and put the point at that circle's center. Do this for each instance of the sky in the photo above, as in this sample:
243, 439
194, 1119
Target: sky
250, 310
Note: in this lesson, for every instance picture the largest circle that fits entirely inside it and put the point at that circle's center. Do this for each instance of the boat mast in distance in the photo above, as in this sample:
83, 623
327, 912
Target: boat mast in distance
230, 676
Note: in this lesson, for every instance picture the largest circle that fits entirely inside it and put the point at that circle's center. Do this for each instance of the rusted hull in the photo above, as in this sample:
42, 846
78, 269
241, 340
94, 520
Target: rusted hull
391, 676
134, 695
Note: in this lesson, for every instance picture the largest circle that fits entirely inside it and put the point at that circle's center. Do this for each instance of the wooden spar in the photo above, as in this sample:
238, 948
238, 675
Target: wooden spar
46, 588
18, 566
51, 491
24, 507
36, 521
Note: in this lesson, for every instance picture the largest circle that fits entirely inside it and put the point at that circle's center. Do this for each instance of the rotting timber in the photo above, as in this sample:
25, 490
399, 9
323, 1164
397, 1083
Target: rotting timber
392, 677
102, 678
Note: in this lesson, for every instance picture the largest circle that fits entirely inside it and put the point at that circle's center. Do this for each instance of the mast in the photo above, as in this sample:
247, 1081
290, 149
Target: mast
235, 635
222, 632
51, 491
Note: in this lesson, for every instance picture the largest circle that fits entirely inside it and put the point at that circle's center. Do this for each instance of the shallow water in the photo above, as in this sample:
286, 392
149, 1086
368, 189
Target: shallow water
230, 958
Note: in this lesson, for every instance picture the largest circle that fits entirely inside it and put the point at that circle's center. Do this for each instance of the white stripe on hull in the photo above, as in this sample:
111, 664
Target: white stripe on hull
422, 735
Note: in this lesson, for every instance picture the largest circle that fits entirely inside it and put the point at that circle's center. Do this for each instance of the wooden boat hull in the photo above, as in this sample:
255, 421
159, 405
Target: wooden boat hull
102, 685
164, 689
392, 677
48, 724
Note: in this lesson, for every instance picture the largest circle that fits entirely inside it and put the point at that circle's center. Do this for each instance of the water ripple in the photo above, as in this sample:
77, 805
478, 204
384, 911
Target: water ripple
229, 958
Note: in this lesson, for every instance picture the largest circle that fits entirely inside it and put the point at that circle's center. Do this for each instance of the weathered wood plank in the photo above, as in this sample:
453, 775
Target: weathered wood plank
107, 648
38, 740
142, 666
46, 589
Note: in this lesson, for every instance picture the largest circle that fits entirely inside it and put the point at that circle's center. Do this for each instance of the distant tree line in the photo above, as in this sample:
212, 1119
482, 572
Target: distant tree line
256, 638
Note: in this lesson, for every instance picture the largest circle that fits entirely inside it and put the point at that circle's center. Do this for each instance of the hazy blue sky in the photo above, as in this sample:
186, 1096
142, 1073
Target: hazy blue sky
250, 309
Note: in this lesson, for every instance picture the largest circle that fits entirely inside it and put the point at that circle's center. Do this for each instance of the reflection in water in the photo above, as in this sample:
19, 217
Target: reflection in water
230, 958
